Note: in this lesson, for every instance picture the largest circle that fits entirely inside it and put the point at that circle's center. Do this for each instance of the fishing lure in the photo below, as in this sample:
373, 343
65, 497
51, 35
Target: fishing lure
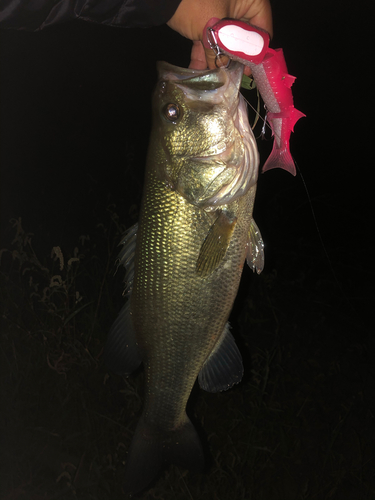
249, 45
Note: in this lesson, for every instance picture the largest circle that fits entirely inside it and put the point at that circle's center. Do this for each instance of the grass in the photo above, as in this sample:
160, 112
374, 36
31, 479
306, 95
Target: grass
299, 426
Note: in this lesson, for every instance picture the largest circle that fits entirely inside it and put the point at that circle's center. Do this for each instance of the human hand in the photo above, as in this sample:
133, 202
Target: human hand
192, 16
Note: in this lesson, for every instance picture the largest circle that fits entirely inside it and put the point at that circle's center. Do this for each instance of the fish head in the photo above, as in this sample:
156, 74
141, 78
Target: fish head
206, 149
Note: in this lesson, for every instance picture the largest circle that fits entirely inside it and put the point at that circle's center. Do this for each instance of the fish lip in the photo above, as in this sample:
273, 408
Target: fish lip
178, 73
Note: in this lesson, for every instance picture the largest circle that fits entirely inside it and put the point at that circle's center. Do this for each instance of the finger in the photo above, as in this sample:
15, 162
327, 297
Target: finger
210, 57
262, 18
198, 57
247, 70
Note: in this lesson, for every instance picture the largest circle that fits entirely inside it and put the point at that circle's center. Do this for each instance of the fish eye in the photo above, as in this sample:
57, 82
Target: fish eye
172, 112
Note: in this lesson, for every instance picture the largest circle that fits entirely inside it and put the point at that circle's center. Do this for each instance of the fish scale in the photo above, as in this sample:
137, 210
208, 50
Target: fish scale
194, 233
190, 304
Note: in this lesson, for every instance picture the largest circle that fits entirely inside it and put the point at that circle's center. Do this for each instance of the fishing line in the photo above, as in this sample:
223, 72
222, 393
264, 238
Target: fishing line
326, 254
320, 237
258, 115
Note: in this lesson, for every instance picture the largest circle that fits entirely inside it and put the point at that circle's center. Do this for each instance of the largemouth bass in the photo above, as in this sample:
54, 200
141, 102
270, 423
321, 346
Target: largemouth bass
184, 260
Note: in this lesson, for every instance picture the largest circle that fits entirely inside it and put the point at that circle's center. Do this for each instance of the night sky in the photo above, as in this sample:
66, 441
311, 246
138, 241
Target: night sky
76, 116
75, 119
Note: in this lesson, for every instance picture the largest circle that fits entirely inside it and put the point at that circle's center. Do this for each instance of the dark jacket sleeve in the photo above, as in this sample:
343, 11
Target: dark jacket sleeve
35, 15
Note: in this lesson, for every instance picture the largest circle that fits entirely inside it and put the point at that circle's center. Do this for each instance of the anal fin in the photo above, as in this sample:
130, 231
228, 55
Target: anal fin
223, 368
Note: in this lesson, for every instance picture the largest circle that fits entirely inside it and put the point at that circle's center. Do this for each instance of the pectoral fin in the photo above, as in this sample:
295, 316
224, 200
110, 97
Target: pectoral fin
215, 244
223, 368
255, 249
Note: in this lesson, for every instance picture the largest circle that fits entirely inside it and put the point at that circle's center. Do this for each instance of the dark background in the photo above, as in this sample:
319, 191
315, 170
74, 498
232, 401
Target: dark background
75, 121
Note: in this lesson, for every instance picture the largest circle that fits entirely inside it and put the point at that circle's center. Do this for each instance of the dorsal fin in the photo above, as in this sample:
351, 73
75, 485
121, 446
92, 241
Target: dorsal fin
126, 256
121, 351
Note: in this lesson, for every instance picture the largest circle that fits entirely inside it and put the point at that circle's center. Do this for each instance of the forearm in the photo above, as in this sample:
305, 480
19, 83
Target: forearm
35, 15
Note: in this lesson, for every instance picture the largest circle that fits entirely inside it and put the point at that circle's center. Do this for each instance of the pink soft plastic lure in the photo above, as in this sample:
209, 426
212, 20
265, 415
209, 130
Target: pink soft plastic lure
248, 44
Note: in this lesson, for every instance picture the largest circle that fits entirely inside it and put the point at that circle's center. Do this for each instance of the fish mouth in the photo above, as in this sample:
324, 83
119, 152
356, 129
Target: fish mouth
169, 71
210, 85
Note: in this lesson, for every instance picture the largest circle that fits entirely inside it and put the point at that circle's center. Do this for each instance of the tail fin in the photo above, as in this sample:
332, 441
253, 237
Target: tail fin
280, 158
152, 447
282, 124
